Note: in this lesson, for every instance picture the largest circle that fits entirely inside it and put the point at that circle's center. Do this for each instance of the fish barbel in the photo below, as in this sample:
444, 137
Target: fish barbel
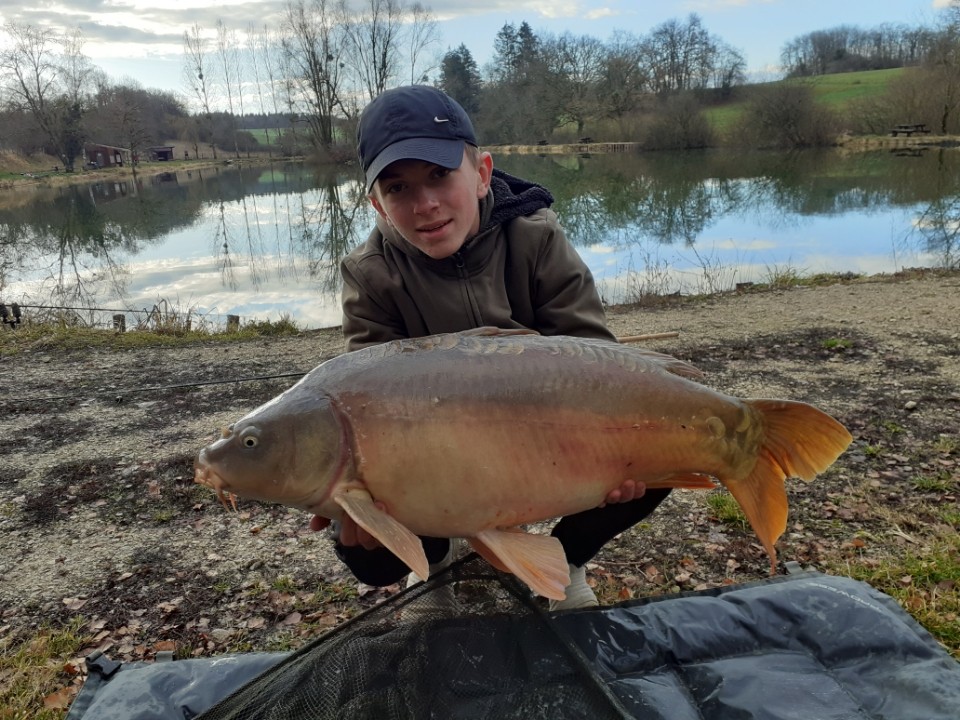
473, 434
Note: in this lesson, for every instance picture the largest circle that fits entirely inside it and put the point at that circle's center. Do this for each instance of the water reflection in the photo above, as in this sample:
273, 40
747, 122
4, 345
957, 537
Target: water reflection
218, 241
267, 240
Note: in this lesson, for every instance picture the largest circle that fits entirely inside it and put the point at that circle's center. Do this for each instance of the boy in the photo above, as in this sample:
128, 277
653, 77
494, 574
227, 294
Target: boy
459, 245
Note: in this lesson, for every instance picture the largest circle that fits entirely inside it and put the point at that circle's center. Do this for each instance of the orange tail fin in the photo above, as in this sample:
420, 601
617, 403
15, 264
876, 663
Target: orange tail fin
799, 441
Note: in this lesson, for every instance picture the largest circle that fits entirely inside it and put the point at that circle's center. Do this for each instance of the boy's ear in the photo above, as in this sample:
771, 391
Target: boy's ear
372, 197
484, 173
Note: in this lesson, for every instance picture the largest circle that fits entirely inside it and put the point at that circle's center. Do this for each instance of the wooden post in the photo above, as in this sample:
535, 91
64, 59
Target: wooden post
649, 336
120, 322
233, 323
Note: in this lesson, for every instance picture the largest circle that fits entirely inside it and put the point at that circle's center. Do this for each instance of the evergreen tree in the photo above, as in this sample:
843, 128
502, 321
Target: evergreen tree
460, 78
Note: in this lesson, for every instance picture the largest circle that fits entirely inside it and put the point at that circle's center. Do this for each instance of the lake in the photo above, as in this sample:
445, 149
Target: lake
263, 241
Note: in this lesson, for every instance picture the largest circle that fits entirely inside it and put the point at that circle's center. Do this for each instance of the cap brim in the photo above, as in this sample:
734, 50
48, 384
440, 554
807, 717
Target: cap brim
445, 153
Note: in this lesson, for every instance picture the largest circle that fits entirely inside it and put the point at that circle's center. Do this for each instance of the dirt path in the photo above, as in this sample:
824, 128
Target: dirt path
99, 517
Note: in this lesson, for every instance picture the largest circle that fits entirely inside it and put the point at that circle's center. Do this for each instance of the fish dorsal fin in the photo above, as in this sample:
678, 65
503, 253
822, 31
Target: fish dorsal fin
490, 330
538, 560
394, 536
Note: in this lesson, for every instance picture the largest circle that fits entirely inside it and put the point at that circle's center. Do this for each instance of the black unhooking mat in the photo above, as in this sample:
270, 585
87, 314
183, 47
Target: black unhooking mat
472, 643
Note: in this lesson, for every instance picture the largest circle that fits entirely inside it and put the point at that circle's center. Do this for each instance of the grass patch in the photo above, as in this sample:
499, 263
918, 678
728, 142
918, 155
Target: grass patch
926, 584
939, 483
727, 510
171, 332
37, 673
837, 344
838, 89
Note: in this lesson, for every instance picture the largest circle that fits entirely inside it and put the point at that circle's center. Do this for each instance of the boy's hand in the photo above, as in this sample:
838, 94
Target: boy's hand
629, 490
351, 534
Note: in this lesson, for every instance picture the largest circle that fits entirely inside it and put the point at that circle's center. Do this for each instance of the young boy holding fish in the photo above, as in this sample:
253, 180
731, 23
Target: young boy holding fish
460, 245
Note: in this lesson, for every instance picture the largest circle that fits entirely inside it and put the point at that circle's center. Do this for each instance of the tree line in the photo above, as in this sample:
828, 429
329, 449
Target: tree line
304, 82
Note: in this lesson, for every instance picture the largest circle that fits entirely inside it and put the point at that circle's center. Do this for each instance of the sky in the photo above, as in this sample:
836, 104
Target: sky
142, 40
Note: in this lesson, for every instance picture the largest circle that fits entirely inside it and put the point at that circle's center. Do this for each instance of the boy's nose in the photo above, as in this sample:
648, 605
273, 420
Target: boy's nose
425, 201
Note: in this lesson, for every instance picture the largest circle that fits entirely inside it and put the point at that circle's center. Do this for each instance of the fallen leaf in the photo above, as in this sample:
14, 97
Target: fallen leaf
293, 618
74, 603
60, 700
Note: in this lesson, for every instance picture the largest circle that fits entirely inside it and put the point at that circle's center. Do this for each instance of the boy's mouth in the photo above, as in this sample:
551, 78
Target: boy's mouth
431, 229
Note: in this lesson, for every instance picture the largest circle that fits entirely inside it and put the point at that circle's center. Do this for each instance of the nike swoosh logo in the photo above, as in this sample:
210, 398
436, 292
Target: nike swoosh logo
440, 120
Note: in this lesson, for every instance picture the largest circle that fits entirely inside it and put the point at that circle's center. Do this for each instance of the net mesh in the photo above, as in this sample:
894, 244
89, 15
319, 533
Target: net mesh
470, 643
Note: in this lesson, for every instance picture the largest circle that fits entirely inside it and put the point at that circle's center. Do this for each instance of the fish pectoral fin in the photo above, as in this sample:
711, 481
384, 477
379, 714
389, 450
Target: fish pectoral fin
394, 536
538, 560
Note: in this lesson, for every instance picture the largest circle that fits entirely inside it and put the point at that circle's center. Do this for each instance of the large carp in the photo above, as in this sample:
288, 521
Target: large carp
473, 434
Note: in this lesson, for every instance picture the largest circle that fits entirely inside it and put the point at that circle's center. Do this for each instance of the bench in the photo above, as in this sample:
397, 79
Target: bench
909, 129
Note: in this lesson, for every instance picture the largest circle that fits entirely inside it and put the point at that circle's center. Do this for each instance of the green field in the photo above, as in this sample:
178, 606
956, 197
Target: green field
839, 89
834, 91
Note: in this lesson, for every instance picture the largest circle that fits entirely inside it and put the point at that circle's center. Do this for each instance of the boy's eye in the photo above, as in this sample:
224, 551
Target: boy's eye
441, 172
393, 188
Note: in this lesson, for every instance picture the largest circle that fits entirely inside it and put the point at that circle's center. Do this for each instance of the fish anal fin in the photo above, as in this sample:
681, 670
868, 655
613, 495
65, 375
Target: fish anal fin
538, 560
394, 536
693, 481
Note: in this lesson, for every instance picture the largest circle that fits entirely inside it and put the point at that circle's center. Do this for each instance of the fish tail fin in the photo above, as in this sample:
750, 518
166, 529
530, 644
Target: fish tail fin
799, 441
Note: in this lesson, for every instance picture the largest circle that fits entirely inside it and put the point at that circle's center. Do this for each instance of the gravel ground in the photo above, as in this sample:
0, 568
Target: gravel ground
100, 518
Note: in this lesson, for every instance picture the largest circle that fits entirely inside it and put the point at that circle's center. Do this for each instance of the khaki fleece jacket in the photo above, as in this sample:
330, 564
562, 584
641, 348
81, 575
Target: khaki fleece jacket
518, 271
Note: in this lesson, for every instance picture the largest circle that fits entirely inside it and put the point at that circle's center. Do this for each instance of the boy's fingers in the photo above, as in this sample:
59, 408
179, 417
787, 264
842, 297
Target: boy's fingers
629, 490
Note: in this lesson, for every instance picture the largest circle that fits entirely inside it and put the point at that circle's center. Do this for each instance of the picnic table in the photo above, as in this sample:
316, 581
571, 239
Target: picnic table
909, 129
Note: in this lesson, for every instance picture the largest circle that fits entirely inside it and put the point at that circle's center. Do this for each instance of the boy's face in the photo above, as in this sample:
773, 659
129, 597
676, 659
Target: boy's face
434, 208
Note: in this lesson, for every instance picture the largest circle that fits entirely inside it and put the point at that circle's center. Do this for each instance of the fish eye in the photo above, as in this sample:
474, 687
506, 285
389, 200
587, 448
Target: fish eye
249, 438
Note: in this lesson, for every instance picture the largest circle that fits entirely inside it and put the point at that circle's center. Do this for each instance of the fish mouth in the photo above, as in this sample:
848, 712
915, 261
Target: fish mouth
203, 474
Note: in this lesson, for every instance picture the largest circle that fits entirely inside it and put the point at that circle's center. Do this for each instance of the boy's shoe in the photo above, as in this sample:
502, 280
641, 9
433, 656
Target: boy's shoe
458, 546
439, 601
579, 594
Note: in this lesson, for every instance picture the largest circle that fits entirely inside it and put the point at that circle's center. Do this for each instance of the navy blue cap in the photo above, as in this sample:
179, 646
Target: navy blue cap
414, 122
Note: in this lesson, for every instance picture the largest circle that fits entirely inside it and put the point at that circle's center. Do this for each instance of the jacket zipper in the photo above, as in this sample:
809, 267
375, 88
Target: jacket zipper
471, 303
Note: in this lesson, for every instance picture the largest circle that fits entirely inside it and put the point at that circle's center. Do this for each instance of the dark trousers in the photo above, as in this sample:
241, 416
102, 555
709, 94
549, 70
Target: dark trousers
582, 535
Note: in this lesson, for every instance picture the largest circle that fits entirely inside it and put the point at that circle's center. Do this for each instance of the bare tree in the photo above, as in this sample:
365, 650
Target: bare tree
577, 64
259, 50
942, 69
46, 75
227, 51
422, 35
313, 46
624, 80
374, 36
197, 74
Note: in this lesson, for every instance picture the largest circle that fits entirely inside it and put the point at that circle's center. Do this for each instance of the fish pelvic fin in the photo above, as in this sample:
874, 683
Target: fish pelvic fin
538, 560
393, 534
799, 441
